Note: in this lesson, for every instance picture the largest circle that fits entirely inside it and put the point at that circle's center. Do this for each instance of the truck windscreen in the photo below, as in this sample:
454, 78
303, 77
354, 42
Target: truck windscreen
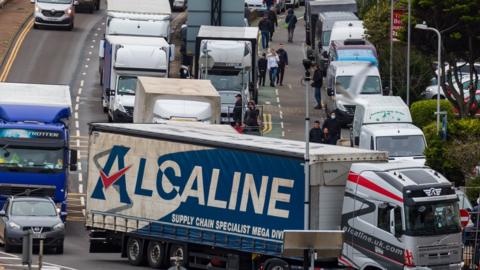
127, 85
18, 157
402, 146
434, 218
228, 80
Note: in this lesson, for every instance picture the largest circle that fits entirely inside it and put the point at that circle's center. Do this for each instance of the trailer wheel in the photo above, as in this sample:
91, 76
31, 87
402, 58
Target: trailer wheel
155, 254
177, 251
135, 253
277, 264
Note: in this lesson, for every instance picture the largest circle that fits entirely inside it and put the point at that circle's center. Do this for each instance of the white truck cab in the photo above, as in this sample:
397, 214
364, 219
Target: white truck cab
54, 13
384, 123
359, 79
352, 29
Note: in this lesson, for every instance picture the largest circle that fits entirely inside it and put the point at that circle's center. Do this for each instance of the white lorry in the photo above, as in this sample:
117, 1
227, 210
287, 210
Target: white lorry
162, 99
358, 79
227, 57
126, 58
141, 18
384, 123
222, 200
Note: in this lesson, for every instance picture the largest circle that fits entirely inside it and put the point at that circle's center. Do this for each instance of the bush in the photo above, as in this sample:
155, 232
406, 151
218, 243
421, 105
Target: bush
473, 189
423, 111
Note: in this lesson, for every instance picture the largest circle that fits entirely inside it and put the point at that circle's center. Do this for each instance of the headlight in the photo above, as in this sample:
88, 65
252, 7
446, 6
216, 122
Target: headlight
59, 226
340, 106
69, 11
37, 9
14, 225
121, 108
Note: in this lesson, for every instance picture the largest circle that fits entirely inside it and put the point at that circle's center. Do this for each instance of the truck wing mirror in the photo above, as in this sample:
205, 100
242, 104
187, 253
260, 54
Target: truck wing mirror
73, 160
110, 92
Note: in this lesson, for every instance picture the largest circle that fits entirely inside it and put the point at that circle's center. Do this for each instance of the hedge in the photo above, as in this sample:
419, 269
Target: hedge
423, 111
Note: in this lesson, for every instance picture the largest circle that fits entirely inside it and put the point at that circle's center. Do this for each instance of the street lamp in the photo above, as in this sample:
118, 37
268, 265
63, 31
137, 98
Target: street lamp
425, 27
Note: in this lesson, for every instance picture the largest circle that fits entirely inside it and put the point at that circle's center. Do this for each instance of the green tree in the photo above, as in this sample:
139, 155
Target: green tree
459, 23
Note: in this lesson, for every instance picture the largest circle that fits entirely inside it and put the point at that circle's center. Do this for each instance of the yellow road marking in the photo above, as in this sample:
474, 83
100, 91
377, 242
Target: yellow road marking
267, 123
14, 52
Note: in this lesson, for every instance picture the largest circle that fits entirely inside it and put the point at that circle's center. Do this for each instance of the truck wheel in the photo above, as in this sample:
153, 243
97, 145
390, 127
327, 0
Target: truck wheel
155, 254
177, 251
277, 264
135, 253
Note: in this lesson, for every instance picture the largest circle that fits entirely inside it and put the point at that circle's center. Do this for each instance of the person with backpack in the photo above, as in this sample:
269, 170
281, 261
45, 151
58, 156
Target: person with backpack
291, 21
317, 85
262, 69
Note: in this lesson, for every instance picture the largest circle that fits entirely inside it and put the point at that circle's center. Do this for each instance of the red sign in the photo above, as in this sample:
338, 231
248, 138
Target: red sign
464, 217
397, 21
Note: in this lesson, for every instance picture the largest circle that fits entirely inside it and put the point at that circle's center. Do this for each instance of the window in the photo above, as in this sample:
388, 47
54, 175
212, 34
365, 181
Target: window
435, 218
372, 85
127, 85
33, 208
383, 219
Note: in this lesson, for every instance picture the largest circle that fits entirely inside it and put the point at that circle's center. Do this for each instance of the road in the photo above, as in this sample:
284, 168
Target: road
51, 56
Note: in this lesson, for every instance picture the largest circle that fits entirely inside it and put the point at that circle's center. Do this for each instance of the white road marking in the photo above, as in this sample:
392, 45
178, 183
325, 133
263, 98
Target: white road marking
278, 100
283, 133
77, 125
80, 188
76, 117
78, 143
83, 211
281, 124
82, 81
276, 92
267, 103
98, 29
82, 200
77, 99
78, 133
91, 46
300, 18
96, 34
289, 86
89, 52
279, 106
86, 66
80, 177
84, 73
76, 107
79, 166
78, 156
80, 91
9, 258
93, 40
281, 115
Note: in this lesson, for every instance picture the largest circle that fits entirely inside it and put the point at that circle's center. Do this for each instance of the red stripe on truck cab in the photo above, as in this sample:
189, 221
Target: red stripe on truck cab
364, 182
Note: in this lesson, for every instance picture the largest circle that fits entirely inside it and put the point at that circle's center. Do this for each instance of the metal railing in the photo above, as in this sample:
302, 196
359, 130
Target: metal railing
228, 117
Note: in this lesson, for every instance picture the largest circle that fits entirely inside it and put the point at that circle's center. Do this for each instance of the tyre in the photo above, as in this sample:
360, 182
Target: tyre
8, 247
277, 264
177, 251
135, 253
59, 249
155, 254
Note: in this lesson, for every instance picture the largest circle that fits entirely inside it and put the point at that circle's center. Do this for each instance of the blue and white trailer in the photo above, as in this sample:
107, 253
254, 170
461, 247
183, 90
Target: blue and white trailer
35, 156
220, 200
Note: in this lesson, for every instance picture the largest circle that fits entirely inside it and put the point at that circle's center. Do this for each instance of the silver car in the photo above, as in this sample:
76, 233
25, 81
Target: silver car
20, 214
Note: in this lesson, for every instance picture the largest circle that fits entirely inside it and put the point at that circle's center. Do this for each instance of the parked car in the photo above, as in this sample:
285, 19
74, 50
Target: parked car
180, 5
89, 5
432, 90
260, 6
38, 214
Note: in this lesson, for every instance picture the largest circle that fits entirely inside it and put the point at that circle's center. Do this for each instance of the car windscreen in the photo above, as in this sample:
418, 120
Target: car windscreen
435, 218
402, 146
33, 208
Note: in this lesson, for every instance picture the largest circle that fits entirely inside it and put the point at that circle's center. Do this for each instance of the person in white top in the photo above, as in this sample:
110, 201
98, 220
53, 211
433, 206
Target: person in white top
272, 66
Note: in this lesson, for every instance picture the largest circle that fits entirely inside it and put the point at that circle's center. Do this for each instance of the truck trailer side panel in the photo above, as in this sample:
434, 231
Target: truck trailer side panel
198, 194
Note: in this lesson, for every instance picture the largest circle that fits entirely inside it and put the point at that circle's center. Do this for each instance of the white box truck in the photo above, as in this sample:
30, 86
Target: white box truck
126, 58
384, 123
163, 99
222, 201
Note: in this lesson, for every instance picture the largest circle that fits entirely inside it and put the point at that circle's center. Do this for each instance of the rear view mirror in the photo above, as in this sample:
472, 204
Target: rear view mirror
73, 160
101, 49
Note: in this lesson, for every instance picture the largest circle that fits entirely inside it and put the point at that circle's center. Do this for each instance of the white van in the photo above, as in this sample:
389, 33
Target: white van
358, 79
343, 30
54, 13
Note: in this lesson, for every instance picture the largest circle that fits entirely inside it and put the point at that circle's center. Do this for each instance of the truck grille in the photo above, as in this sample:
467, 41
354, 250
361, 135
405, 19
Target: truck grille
129, 110
438, 257
350, 109
10, 190
53, 13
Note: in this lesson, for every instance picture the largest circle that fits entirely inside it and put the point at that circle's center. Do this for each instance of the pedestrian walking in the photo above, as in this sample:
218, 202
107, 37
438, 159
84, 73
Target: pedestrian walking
333, 126
265, 25
272, 16
237, 110
282, 63
262, 69
291, 20
268, 3
316, 134
272, 66
252, 121
328, 138
317, 85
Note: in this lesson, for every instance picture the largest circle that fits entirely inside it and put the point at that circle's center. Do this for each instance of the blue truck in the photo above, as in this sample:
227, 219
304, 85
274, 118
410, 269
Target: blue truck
35, 156
215, 199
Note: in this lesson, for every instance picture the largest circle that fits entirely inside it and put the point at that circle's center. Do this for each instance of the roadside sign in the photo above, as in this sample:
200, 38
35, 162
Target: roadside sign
464, 217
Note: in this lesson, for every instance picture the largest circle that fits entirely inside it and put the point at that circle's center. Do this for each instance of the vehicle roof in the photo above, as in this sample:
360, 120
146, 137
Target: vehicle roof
140, 6
340, 44
177, 87
348, 24
35, 94
209, 137
400, 129
318, 6
228, 32
329, 18
352, 68
137, 40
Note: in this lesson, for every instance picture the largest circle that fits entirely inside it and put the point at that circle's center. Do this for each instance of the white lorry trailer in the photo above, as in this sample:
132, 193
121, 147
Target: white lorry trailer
163, 99
222, 201
384, 123
227, 56
126, 58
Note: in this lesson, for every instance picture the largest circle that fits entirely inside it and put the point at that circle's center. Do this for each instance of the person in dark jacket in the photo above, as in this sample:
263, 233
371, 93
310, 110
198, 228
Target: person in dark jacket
237, 110
252, 122
317, 85
291, 20
272, 16
333, 126
262, 69
316, 133
282, 64
265, 25
268, 3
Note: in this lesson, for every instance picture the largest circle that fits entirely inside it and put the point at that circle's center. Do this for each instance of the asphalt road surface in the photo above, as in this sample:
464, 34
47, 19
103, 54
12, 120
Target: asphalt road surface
50, 56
